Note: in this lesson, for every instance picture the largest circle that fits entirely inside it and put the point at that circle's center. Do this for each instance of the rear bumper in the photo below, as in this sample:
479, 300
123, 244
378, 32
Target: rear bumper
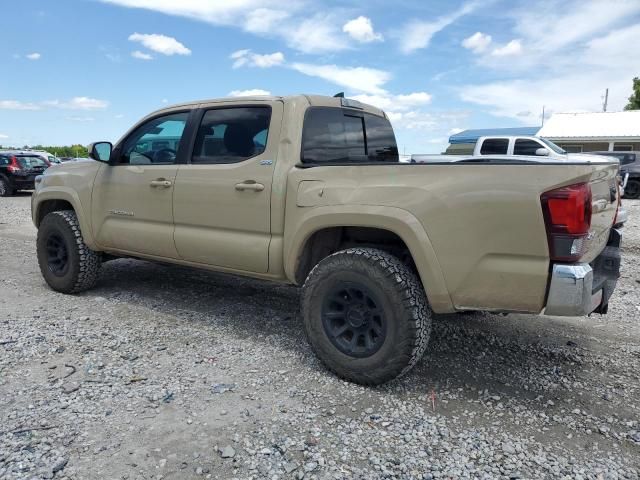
582, 288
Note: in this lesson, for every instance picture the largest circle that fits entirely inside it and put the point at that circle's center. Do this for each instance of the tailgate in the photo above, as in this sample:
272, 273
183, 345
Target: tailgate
604, 205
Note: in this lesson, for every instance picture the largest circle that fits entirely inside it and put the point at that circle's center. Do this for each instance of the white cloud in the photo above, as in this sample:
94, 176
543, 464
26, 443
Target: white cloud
17, 105
33, 56
478, 42
417, 34
395, 103
568, 74
361, 29
78, 103
81, 119
264, 20
455, 130
141, 55
246, 58
3, 136
514, 47
303, 26
316, 35
359, 79
160, 43
254, 92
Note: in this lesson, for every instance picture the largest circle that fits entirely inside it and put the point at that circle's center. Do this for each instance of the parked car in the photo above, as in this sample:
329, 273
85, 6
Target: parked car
309, 190
508, 148
18, 171
629, 165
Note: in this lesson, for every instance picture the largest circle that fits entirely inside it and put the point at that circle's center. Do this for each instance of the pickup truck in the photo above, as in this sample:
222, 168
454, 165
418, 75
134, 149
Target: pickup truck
309, 190
521, 147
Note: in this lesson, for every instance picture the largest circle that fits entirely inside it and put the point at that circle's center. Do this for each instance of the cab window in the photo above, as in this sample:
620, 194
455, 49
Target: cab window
526, 147
230, 135
495, 146
156, 142
335, 135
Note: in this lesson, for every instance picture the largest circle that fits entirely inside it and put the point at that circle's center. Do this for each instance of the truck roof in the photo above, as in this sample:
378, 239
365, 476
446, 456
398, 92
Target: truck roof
472, 136
313, 100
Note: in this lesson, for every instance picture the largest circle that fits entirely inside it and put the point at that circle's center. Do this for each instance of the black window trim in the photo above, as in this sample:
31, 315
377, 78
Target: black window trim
347, 112
493, 139
116, 154
199, 114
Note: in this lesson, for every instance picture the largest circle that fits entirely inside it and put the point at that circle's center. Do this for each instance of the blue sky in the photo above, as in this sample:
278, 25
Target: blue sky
76, 71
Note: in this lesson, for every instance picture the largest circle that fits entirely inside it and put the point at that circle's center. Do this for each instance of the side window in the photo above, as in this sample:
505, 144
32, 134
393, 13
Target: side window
230, 135
156, 141
526, 147
336, 135
495, 146
4, 161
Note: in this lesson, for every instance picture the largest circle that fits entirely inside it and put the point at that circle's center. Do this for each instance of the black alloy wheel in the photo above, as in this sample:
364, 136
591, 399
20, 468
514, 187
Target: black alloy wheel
353, 320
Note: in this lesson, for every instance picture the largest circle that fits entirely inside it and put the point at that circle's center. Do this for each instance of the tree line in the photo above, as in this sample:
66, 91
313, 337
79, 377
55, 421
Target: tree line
68, 151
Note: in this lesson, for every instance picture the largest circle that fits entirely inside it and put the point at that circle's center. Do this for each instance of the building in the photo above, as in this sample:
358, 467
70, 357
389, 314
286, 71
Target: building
592, 132
575, 132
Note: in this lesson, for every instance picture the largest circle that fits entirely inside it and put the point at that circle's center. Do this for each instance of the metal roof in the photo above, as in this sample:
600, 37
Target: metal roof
471, 136
592, 125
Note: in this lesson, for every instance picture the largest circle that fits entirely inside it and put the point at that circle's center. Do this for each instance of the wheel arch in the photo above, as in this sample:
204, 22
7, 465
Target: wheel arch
321, 230
46, 201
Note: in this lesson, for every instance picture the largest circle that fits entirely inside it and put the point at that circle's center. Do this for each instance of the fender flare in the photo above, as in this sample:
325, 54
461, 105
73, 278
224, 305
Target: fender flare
396, 220
66, 194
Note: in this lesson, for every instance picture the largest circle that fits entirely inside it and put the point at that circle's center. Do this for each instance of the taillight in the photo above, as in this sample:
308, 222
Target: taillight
14, 166
567, 218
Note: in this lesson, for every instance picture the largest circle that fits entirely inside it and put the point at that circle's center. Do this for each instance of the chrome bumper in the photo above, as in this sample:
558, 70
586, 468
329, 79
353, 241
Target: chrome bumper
570, 291
581, 288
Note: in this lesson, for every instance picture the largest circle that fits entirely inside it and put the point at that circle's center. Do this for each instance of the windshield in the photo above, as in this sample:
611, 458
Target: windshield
553, 146
30, 162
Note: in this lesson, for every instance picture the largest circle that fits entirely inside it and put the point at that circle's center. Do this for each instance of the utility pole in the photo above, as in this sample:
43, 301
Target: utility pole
606, 100
543, 115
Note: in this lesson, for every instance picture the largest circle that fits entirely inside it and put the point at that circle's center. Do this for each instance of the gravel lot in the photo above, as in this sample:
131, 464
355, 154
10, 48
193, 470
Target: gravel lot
164, 372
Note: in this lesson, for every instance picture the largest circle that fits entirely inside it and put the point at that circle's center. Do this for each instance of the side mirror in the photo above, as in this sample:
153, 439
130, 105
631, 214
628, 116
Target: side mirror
542, 152
100, 151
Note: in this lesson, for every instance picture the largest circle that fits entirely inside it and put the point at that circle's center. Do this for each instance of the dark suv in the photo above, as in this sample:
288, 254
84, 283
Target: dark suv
18, 172
629, 164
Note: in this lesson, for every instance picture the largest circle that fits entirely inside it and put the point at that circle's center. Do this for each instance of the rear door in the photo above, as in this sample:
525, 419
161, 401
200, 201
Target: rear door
222, 194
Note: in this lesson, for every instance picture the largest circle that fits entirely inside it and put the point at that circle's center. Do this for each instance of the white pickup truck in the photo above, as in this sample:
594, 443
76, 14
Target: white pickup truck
521, 147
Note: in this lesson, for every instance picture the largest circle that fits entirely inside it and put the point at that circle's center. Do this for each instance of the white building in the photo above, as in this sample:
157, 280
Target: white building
592, 132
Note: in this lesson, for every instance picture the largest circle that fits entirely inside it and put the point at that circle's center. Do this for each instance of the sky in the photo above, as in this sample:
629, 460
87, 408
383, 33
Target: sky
77, 71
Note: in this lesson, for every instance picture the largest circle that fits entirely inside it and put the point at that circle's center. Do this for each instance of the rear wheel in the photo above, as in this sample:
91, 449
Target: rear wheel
632, 190
66, 263
366, 315
5, 188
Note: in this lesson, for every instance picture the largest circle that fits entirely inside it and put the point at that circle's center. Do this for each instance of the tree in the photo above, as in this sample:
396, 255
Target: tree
634, 99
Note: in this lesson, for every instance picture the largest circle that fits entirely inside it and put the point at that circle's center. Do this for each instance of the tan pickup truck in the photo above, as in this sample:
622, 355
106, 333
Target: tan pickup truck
309, 190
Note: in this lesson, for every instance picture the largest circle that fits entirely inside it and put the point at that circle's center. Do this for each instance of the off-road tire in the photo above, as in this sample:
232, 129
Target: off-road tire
83, 263
402, 298
5, 188
634, 191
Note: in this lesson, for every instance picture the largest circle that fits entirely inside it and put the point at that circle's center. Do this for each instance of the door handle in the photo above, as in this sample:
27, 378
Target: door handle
160, 182
250, 185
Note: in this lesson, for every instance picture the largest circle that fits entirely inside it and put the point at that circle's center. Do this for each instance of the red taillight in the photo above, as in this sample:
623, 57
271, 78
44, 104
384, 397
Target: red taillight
14, 166
567, 217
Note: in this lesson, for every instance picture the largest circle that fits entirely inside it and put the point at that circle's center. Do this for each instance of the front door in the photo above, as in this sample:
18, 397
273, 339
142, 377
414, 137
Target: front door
222, 194
132, 207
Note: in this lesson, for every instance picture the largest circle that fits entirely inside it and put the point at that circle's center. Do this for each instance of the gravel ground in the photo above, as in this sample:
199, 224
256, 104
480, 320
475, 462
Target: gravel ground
164, 372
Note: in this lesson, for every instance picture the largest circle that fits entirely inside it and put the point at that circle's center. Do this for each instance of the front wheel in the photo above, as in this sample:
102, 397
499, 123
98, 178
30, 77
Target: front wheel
66, 263
366, 315
632, 190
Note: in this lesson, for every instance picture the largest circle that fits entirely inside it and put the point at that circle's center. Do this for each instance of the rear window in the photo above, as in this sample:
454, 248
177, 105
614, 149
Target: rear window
335, 135
30, 162
495, 146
